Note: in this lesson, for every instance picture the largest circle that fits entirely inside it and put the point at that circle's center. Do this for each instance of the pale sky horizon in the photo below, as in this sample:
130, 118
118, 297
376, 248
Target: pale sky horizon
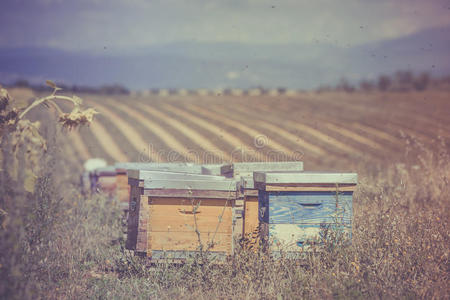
90, 25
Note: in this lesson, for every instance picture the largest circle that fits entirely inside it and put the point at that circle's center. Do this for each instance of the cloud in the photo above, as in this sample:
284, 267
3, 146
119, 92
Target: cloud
128, 24
232, 75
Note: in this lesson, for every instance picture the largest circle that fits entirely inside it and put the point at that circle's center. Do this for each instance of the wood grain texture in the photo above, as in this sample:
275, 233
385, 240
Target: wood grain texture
174, 223
155, 175
304, 177
134, 168
211, 185
202, 194
251, 221
311, 188
168, 215
141, 243
309, 208
123, 188
238, 169
188, 241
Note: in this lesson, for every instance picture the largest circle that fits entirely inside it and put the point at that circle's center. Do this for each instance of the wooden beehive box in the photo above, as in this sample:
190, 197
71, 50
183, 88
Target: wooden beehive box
104, 180
248, 194
295, 208
172, 214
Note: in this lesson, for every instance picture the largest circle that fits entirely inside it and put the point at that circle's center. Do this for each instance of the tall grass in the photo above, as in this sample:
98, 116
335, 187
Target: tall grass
58, 244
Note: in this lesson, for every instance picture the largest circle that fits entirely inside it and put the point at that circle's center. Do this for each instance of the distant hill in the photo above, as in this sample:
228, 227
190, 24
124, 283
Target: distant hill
210, 65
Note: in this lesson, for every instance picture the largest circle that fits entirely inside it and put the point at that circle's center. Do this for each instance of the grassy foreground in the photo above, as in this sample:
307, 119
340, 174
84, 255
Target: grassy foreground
58, 244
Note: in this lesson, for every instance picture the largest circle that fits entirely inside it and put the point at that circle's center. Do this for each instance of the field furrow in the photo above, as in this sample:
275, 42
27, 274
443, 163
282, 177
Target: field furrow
249, 131
227, 137
300, 128
134, 139
195, 137
77, 144
107, 142
169, 140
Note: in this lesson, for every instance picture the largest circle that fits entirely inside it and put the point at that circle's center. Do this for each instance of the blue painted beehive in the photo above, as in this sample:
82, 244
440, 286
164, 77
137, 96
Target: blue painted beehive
297, 209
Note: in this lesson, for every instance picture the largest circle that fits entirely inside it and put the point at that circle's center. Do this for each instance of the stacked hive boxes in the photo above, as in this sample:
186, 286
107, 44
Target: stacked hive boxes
177, 214
179, 209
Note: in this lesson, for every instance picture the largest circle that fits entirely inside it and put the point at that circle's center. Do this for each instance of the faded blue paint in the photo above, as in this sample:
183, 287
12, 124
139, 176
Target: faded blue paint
305, 207
310, 208
295, 219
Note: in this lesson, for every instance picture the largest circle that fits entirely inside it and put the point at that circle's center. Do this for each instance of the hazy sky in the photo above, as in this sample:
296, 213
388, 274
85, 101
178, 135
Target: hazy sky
128, 24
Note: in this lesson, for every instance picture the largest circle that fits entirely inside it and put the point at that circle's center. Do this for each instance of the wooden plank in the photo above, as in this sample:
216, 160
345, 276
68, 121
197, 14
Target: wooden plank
238, 169
251, 222
152, 175
184, 215
187, 202
190, 194
251, 193
211, 185
309, 208
304, 177
123, 188
292, 237
295, 237
173, 167
330, 188
141, 243
188, 241
172, 225
105, 171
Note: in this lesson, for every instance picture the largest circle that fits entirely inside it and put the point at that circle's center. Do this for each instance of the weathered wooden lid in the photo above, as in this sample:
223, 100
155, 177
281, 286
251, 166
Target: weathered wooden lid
247, 168
174, 167
206, 185
304, 178
151, 175
105, 171
180, 181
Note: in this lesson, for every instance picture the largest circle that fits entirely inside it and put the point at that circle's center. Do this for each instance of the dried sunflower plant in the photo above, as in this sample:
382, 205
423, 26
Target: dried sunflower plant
21, 141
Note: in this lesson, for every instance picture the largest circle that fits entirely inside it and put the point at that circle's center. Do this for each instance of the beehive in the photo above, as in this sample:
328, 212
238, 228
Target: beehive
104, 180
248, 195
173, 214
296, 208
